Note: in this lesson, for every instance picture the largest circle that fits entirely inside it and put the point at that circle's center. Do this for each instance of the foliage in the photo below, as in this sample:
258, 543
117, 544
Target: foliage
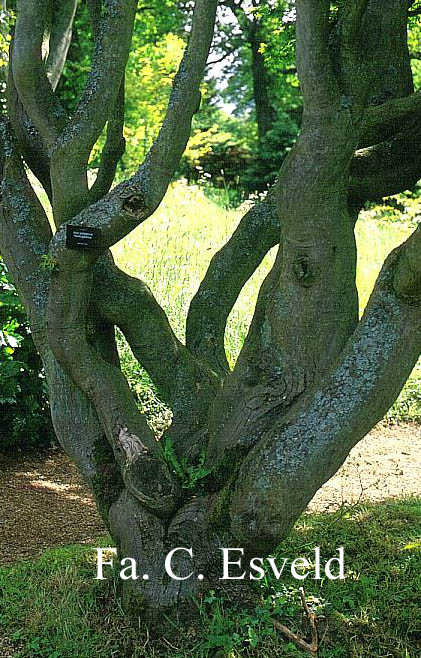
157, 47
189, 475
273, 148
53, 608
278, 45
405, 207
219, 152
47, 263
26, 422
77, 67
153, 22
7, 18
149, 74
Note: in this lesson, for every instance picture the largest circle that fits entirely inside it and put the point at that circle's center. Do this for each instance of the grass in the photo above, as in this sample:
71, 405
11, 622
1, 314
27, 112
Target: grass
53, 607
172, 250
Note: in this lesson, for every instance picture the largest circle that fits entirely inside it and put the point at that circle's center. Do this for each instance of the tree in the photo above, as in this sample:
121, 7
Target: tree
250, 23
255, 47
311, 379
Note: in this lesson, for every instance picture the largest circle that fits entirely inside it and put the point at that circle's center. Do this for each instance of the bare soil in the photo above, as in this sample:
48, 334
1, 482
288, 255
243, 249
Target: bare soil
44, 502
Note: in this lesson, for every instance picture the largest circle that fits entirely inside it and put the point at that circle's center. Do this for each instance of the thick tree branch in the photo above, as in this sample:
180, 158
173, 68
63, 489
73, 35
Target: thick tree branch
63, 14
384, 121
104, 82
182, 381
136, 451
353, 76
112, 152
282, 473
71, 151
28, 231
407, 276
94, 7
34, 152
30, 77
384, 46
387, 168
313, 57
228, 271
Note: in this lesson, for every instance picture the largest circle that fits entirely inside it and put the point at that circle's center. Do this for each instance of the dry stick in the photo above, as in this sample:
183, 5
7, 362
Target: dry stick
311, 648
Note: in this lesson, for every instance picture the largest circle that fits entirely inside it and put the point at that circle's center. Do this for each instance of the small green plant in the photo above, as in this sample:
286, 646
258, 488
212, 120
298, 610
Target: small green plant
48, 263
232, 626
190, 475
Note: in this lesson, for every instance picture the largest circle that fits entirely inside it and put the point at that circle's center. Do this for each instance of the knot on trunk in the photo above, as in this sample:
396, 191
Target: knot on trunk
147, 477
303, 271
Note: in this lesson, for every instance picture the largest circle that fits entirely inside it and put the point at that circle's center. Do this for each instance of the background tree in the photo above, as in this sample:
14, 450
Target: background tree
311, 379
249, 16
255, 44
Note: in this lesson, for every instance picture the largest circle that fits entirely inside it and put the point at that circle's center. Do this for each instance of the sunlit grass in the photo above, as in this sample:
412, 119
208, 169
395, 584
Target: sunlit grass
375, 240
172, 250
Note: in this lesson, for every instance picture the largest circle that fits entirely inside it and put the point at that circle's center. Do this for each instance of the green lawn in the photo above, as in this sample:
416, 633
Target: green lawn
53, 607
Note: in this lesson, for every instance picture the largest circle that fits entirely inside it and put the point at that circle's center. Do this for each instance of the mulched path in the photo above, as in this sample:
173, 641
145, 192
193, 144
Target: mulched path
44, 502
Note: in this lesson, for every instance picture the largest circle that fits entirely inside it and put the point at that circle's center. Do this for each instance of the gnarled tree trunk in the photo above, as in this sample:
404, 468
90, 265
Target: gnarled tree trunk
311, 379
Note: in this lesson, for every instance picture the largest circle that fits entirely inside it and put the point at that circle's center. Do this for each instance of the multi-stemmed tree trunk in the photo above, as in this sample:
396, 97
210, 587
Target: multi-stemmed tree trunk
311, 379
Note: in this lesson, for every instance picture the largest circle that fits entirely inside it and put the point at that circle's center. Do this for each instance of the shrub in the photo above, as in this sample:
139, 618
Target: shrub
26, 422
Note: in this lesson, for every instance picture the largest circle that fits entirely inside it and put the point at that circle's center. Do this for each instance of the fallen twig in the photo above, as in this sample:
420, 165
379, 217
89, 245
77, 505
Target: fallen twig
312, 647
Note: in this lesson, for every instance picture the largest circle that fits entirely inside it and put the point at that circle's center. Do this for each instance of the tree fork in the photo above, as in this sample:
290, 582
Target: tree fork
230, 268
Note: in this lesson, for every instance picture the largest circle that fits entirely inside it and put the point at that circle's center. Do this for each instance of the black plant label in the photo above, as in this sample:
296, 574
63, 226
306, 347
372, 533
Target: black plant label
82, 237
